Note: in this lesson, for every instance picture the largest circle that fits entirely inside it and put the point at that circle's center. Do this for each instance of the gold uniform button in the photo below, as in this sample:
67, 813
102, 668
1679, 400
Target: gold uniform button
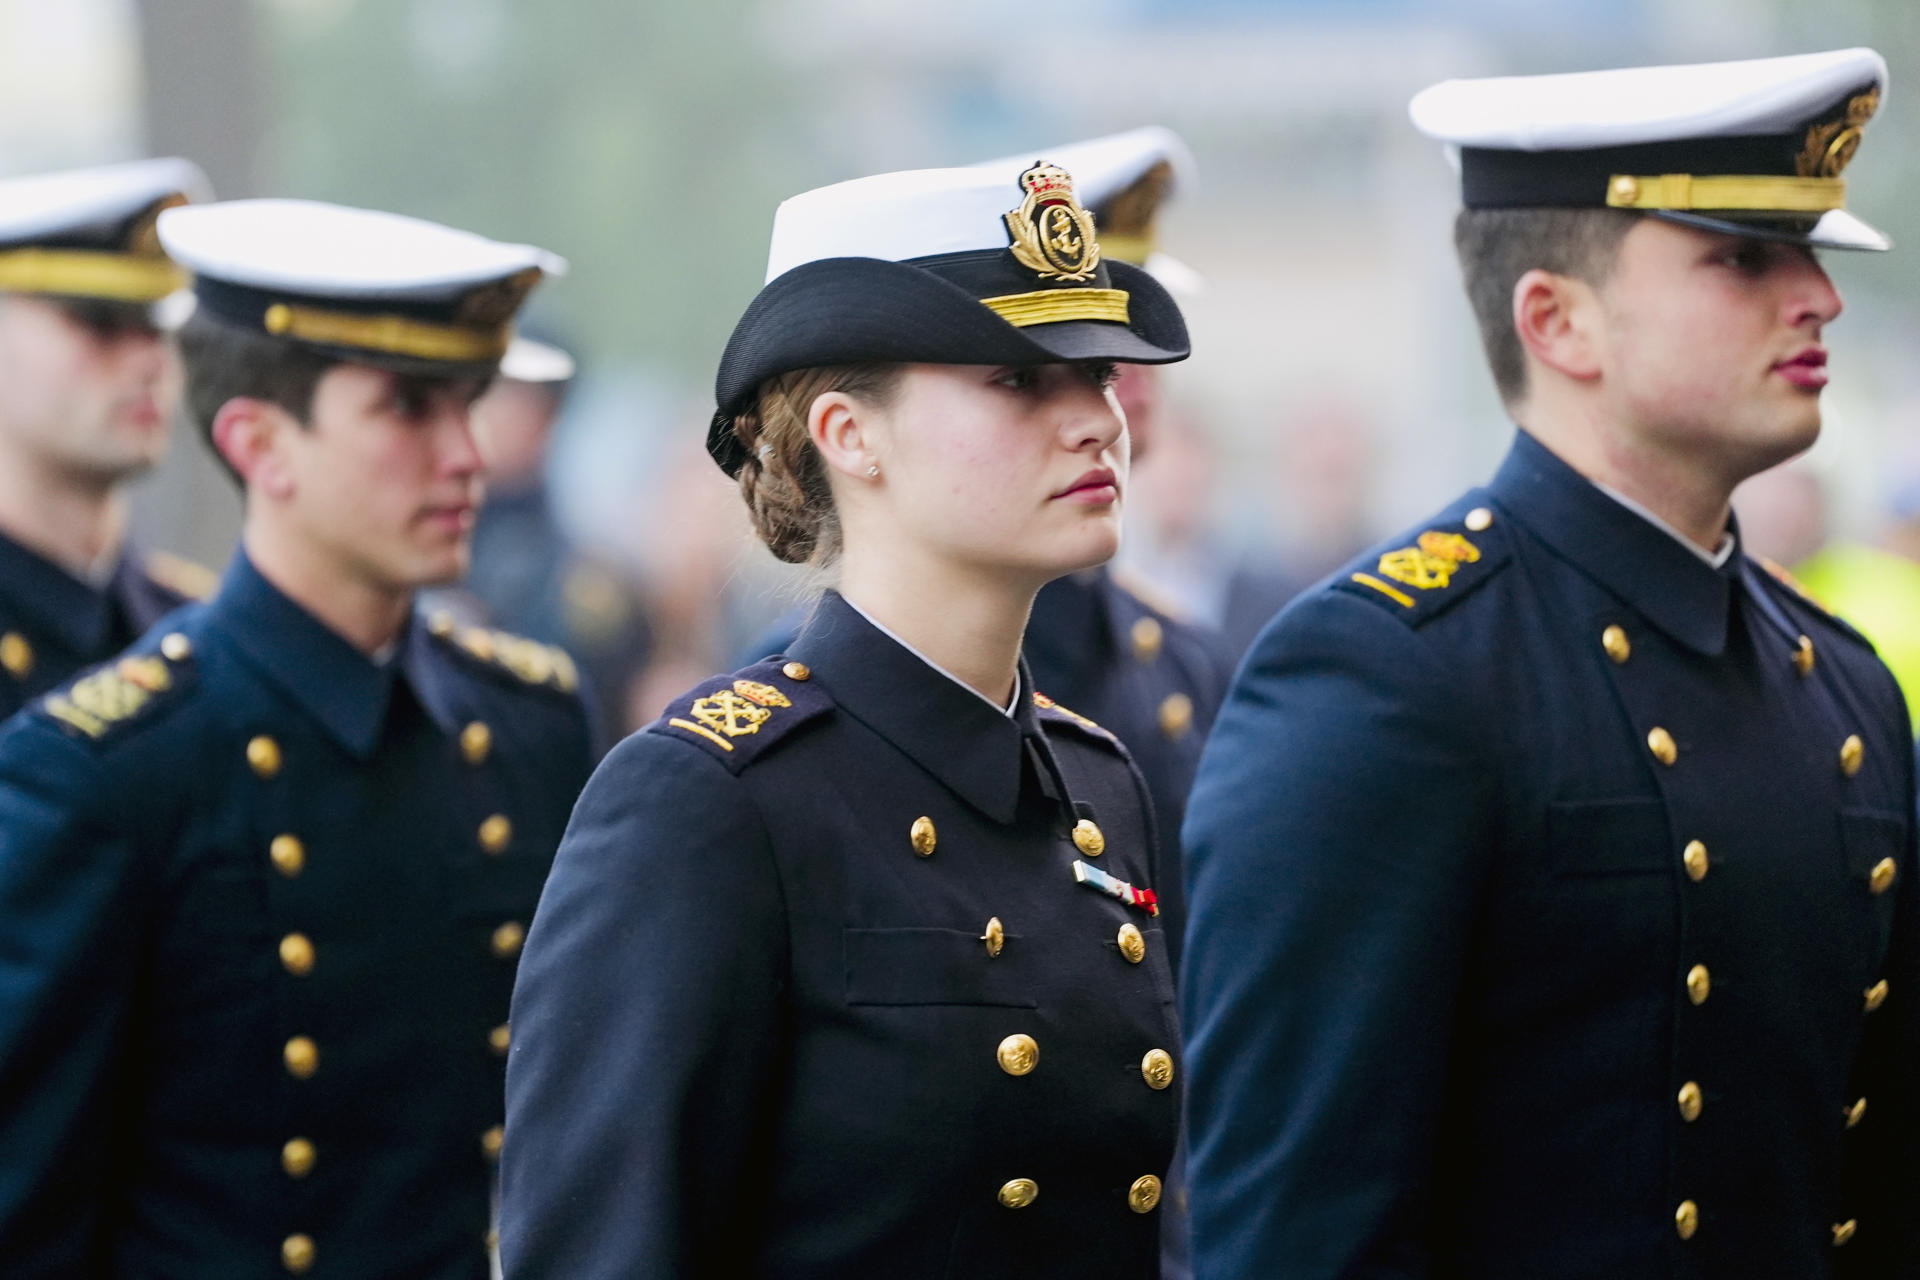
1686, 1219
1019, 1193
495, 834
1019, 1055
1133, 943
302, 1057
995, 936
288, 855
1803, 657
16, 655
492, 1141
1157, 1068
278, 319
175, 647
797, 671
1691, 1100
1614, 641
508, 939
296, 1254
1881, 879
500, 1039
1087, 838
263, 754
922, 836
297, 1157
440, 623
1843, 1231
1176, 715
1478, 520
1856, 1112
1876, 995
1699, 984
1661, 743
1852, 753
1144, 1195
1147, 639
296, 954
1623, 190
1694, 858
476, 740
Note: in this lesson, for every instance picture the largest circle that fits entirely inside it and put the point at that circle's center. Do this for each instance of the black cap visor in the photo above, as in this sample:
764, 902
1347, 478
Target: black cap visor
838, 311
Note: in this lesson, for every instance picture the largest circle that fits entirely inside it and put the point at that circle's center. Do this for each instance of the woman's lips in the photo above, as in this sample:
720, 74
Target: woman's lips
1808, 370
1093, 488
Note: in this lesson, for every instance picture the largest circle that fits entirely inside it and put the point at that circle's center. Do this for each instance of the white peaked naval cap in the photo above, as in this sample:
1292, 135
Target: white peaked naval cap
365, 285
1754, 147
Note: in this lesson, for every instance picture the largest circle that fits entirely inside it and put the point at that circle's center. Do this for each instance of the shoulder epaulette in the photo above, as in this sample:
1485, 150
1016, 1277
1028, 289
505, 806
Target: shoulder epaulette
1053, 713
527, 661
102, 703
1799, 591
739, 717
186, 578
1438, 567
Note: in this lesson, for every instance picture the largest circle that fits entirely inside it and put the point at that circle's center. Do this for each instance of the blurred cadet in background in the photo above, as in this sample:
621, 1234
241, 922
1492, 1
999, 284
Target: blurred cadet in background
528, 575
1554, 901
1152, 678
89, 385
1875, 585
264, 880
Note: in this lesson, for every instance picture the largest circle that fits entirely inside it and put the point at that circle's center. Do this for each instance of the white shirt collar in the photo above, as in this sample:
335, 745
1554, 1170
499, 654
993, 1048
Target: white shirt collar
882, 628
1717, 558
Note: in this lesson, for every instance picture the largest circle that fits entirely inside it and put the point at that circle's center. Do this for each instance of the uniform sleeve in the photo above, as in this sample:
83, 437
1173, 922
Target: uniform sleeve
646, 1029
1334, 841
70, 933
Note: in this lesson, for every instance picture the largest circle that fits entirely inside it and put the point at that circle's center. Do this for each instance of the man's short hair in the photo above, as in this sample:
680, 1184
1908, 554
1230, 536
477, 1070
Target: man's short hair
223, 362
1498, 246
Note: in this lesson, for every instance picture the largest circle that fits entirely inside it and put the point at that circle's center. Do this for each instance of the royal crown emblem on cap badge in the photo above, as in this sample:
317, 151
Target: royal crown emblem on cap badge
1052, 234
1830, 146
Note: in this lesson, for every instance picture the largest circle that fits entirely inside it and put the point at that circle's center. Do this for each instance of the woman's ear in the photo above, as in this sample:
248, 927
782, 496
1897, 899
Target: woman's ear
847, 433
249, 434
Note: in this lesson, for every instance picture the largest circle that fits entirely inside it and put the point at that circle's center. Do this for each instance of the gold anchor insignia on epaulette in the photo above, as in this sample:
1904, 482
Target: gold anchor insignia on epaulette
1432, 562
729, 713
97, 702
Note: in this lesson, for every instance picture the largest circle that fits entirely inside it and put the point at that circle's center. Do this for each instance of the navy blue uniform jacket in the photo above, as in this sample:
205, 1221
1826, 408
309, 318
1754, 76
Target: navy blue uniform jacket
260, 907
53, 625
813, 992
1554, 919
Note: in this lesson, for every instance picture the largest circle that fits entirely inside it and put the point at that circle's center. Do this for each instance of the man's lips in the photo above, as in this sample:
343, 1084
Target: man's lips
1095, 486
1807, 369
458, 517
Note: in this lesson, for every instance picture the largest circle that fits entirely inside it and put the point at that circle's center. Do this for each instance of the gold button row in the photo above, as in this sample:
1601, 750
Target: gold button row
1142, 1197
1619, 648
297, 954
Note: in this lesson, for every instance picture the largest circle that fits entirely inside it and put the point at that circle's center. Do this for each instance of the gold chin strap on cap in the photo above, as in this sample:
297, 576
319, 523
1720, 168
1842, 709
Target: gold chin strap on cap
1125, 248
81, 273
1761, 194
1050, 306
394, 335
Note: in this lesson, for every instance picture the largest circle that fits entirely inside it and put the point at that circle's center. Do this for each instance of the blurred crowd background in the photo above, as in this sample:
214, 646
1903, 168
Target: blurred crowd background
1336, 392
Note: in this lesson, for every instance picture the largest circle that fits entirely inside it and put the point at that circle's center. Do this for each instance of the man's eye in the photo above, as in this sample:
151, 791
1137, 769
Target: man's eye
1103, 373
1019, 379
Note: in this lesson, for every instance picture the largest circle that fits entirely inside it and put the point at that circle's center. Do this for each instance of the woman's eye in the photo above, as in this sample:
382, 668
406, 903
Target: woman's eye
1019, 379
1103, 373
1750, 259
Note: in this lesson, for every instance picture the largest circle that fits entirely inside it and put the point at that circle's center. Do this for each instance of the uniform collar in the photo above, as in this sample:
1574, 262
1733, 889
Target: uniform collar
329, 679
52, 601
948, 729
1647, 567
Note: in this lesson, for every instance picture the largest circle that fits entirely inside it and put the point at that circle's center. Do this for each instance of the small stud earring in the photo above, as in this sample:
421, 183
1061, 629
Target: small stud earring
873, 471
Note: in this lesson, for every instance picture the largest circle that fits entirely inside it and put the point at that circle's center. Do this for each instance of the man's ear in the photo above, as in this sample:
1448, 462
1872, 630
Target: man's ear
250, 435
843, 430
1557, 318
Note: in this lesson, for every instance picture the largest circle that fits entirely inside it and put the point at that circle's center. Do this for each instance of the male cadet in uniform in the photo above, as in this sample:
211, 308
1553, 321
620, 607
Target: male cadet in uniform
264, 878
88, 387
1093, 644
1553, 881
